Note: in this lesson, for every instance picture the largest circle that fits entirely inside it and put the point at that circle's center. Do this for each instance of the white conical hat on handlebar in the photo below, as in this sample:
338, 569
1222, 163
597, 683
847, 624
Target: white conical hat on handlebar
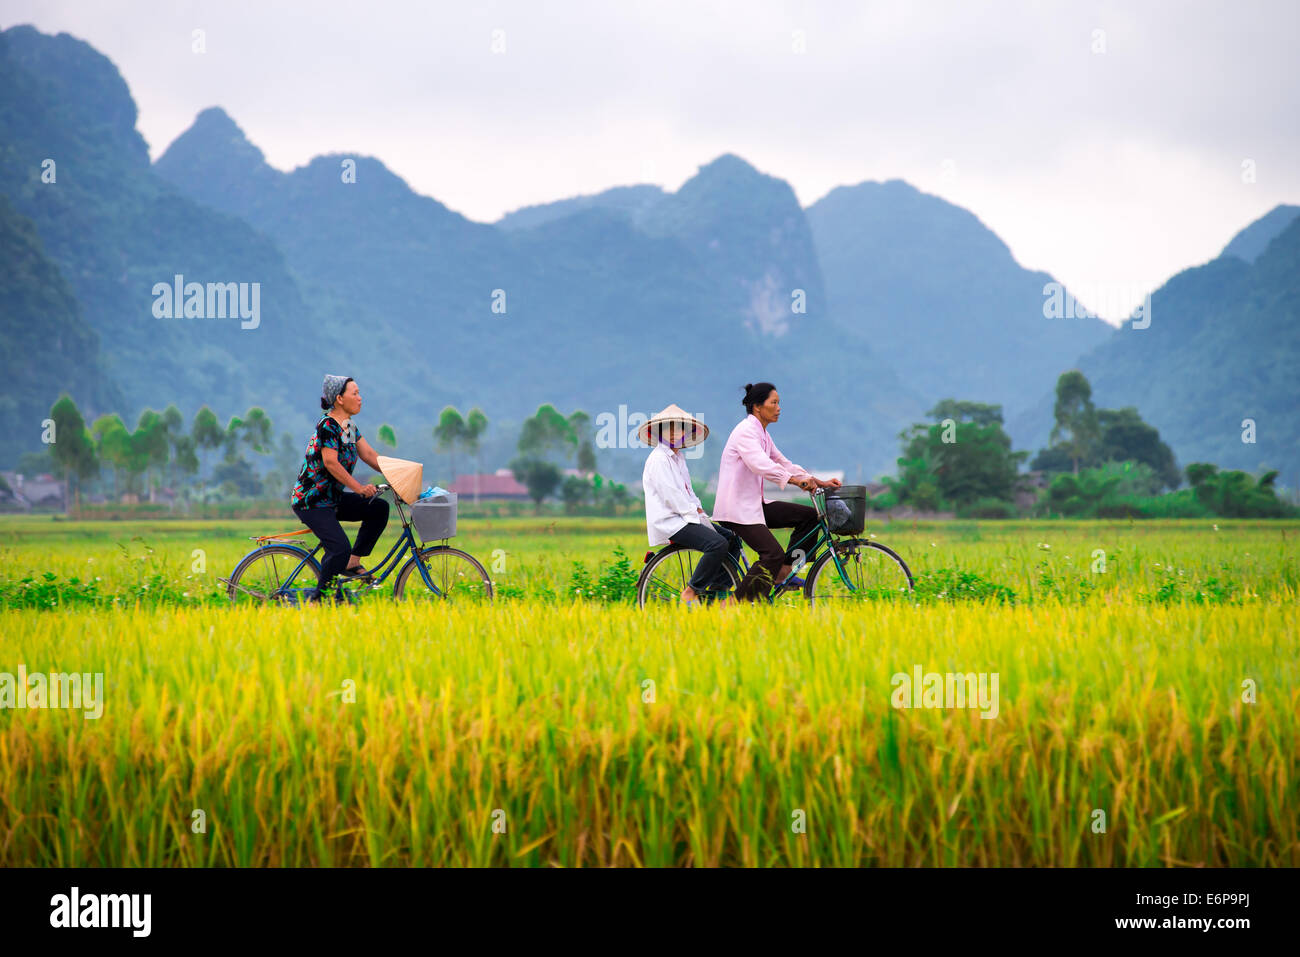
404, 476
650, 432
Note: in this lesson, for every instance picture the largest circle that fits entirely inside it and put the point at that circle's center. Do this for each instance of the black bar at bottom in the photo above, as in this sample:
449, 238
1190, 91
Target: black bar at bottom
329, 906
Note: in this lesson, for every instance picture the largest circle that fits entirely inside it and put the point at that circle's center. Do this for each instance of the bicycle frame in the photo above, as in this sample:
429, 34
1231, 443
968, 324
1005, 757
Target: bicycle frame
407, 539
824, 538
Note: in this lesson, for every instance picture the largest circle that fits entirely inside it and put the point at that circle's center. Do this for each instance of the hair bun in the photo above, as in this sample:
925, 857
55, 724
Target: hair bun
749, 387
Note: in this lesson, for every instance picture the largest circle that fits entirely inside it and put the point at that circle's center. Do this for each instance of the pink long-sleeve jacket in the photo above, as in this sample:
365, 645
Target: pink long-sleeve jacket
749, 456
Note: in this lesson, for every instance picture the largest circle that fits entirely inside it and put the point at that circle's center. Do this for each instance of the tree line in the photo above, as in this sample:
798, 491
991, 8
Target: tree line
547, 438
1099, 463
163, 450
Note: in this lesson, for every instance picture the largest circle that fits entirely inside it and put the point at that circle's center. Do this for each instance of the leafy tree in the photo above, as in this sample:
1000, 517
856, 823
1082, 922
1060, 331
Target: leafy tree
574, 491
541, 478
73, 450
1076, 425
1126, 438
449, 432
113, 445
1123, 437
476, 424
620, 493
254, 430
149, 446
386, 436
964, 457
1236, 494
206, 431
1078, 495
183, 458
980, 413
583, 436
547, 432
235, 476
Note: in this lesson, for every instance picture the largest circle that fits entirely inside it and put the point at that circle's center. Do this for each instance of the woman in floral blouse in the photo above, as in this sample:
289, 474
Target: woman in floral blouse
327, 494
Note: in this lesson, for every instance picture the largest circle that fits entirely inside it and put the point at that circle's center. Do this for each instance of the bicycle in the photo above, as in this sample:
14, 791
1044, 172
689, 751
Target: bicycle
840, 569
445, 572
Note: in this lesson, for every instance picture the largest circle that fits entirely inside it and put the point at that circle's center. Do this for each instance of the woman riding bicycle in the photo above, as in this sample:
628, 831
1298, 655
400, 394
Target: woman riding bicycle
327, 494
749, 457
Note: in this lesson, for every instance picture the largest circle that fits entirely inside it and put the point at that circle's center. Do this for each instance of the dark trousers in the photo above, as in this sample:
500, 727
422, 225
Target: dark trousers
771, 556
713, 542
372, 513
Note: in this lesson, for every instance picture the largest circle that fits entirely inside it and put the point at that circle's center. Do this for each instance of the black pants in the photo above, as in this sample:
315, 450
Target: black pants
372, 513
771, 556
713, 542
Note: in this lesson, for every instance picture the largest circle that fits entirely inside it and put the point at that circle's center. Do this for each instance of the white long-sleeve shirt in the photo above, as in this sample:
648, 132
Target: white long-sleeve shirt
670, 502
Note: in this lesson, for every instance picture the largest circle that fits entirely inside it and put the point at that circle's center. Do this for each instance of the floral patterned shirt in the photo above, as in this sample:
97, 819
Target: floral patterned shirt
316, 488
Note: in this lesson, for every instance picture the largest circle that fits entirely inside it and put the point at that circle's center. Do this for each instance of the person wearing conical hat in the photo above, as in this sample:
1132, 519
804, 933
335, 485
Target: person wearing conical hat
748, 459
327, 494
673, 512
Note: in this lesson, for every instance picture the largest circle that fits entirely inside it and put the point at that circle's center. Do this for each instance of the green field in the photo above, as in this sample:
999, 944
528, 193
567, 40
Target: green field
1159, 690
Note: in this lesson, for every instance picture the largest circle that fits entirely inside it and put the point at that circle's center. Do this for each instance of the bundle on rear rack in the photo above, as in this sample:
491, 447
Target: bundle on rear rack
434, 518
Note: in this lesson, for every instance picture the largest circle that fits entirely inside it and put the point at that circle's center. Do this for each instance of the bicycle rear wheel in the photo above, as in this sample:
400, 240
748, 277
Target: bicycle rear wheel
457, 576
670, 569
264, 574
872, 572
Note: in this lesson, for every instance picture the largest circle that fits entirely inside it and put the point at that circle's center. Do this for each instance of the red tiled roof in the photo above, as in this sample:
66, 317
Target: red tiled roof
490, 486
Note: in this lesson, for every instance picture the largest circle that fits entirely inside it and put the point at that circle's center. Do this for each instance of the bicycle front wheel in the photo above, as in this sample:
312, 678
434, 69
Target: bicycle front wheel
668, 572
455, 576
870, 572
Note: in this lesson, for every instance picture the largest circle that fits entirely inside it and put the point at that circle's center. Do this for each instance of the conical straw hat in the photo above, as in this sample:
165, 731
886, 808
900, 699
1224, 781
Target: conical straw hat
650, 432
405, 477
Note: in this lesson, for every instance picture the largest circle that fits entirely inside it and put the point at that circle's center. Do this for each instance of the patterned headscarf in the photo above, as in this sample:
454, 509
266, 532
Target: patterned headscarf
332, 389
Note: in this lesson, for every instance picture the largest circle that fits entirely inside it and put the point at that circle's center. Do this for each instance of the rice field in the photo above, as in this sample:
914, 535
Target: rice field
1146, 708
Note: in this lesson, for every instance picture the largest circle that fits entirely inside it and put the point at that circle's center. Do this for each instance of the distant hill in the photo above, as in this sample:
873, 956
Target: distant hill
48, 347
635, 298
940, 296
632, 200
1223, 346
114, 230
1254, 239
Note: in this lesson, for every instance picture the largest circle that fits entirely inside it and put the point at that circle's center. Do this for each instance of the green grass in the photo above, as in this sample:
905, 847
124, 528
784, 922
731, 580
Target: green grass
1124, 695
1183, 560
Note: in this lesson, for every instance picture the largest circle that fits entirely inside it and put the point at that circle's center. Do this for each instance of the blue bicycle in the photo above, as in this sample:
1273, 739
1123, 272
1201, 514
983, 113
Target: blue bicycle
280, 570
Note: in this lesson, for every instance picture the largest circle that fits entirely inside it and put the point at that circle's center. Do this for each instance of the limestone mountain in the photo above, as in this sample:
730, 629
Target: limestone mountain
637, 298
46, 346
1222, 347
940, 296
72, 163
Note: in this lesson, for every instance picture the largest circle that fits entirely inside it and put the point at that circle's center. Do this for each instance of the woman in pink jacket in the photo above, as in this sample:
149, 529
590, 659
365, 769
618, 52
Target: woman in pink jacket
750, 456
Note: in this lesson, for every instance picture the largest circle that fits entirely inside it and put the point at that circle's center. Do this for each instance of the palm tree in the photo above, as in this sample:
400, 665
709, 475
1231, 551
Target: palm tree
449, 433
475, 425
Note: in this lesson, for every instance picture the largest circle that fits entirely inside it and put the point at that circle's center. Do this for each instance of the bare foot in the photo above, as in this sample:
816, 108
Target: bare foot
688, 595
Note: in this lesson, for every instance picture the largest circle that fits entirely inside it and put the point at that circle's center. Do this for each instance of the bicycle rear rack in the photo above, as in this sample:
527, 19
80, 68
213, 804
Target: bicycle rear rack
279, 535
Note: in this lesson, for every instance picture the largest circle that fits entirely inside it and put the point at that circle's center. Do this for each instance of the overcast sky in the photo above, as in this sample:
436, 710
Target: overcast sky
1114, 167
